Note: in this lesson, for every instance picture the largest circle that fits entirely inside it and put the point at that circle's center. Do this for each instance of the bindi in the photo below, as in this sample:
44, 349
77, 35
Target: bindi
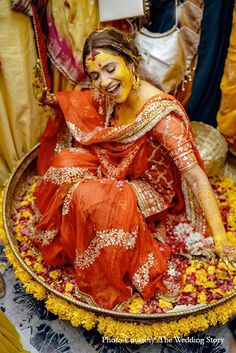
92, 55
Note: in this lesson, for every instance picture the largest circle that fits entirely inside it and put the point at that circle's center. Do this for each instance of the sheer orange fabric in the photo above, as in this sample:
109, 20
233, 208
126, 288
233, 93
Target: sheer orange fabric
99, 195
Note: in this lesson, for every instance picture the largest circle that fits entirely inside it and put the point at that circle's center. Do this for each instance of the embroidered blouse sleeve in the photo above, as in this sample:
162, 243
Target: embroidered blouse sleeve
172, 133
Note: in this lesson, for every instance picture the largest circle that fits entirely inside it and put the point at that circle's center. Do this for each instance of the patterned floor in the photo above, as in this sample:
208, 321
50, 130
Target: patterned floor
48, 334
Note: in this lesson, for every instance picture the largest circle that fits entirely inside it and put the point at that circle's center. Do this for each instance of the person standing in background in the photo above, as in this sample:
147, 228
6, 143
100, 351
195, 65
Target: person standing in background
226, 117
21, 121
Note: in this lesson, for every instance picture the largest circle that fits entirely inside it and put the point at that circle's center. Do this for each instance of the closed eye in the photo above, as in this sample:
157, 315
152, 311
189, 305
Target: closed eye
110, 69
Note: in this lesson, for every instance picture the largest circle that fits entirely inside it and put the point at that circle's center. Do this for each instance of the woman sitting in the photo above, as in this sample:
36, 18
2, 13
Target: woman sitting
124, 161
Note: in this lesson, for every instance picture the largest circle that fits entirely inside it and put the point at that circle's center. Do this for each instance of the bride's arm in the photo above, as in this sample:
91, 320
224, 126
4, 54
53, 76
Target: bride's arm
175, 137
201, 188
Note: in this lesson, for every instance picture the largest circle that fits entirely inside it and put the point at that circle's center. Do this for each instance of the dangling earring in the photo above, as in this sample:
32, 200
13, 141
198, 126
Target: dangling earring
136, 82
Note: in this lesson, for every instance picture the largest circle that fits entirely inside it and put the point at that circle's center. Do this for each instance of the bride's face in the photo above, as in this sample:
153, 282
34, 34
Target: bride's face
110, 74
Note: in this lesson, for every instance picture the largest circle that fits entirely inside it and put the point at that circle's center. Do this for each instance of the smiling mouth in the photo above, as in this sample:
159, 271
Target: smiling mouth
114, 89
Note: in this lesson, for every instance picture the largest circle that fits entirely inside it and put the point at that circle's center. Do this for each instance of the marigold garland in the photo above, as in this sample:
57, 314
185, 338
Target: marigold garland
120, 331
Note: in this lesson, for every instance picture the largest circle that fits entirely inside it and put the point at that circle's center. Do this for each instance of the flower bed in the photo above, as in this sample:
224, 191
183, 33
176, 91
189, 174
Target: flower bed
205, 279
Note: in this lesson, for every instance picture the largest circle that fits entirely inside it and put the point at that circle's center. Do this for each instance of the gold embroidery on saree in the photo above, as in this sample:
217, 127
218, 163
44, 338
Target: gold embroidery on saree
149, 201
112, 170
80, 135
68, 198
152, 113
44, 237
78, 149
141, 277
182, 154
67, 175
64, 139
37, 214
103, 239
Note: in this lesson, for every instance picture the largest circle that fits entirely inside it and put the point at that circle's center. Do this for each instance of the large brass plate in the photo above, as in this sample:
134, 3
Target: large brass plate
24, 171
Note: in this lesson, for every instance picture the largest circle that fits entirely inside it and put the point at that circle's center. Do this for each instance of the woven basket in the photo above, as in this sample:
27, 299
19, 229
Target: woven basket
212, 146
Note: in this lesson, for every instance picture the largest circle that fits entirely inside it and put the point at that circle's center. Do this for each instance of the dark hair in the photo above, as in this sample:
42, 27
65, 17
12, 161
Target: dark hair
113, 40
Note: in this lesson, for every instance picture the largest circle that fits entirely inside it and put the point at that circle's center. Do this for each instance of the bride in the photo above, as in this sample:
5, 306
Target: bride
118, 159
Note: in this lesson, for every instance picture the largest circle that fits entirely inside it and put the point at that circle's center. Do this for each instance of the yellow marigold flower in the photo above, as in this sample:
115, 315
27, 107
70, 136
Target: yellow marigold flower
136, 304
27, 214
68, 287
201, 298
24, 202
222, 266
221, 275
54, 274
184, 328
228, 292
19, 237
228, 311
190, 270
21, 274
19, 227
209, 284
225, 182
28, 198
38, 267
23, 277
36, 289
211, 270
201, 323
30, 252
234, 281
82, 317
217, 290
3, 237
196, 264
125, 332
189, 288
28, 262
60, 307
212, 317
39, 258
32, 187
231, 235
165, 304
201, 277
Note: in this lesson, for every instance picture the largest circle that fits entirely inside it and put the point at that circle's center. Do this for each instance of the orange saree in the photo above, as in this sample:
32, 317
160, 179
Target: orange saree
104, 189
